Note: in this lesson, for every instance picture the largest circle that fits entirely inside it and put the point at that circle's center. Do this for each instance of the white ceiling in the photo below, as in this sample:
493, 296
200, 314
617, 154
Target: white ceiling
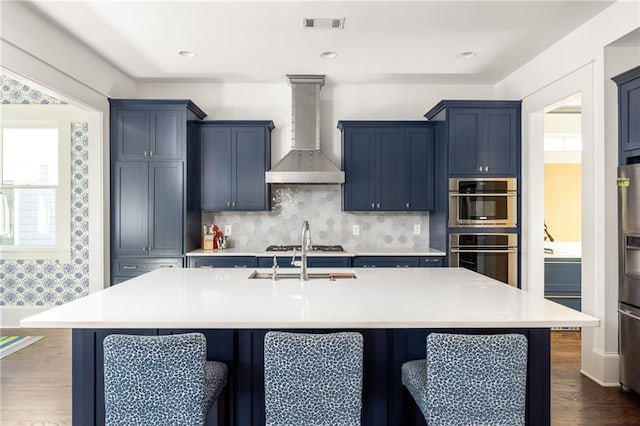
382, 41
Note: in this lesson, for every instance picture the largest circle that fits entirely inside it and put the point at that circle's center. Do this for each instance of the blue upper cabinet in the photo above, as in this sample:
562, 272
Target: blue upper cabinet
233, 159
420, 175
149, 130
389, 166
483, 137
629, 114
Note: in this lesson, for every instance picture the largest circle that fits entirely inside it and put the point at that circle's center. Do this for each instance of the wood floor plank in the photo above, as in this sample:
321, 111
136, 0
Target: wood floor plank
35, 385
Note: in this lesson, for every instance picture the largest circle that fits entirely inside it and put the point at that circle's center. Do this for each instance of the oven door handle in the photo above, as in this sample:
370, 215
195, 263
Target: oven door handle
454, 250
483, 194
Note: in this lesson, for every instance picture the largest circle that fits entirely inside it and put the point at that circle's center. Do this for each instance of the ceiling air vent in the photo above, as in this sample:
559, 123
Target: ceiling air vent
323, 23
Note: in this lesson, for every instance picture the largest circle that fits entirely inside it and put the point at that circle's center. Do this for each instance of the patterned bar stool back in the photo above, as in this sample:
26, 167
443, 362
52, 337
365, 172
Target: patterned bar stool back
470, 380
313, 379
159, 380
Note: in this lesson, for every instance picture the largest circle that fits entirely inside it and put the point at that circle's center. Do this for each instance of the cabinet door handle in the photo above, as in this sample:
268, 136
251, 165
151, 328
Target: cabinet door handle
239, 266
166, 266
128, 267
378, 205
205, 266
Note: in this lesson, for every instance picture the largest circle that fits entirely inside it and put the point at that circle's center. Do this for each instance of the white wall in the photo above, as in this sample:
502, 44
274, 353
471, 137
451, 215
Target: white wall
38, 51
563, 63
338, 102
25, 30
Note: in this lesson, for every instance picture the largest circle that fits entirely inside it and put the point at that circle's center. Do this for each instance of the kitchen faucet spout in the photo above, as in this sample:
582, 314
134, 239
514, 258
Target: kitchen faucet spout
304, 248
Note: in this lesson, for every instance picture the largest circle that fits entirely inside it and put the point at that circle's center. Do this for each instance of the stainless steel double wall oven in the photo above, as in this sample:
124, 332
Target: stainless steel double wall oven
489, 203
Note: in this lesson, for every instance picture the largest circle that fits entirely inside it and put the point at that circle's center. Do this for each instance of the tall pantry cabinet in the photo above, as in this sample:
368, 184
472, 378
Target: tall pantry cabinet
148, 184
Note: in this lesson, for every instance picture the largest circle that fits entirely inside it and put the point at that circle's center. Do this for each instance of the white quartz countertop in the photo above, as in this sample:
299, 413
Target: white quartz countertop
348, 252
380, 298
563, 249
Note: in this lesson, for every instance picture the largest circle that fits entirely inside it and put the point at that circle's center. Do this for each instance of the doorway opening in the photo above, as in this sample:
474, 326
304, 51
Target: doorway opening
563, 201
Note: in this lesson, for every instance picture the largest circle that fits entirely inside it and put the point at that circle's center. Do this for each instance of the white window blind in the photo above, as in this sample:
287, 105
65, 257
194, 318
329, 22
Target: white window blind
35, 182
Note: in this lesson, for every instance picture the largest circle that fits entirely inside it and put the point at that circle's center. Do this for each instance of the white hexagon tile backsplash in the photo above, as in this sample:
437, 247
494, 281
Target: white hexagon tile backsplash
321, 206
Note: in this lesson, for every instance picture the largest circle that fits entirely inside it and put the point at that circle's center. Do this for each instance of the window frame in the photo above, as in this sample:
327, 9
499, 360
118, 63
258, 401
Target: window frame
37, 116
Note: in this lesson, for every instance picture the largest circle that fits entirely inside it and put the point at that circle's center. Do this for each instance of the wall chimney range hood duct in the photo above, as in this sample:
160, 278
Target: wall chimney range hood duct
305, 163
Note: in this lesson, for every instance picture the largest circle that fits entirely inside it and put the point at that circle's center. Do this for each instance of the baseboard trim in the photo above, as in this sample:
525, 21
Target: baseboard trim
10, 316
601, 383
601, 367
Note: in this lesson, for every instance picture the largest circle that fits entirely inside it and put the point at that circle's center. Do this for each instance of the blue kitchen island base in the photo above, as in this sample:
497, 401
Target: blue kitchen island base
385, 400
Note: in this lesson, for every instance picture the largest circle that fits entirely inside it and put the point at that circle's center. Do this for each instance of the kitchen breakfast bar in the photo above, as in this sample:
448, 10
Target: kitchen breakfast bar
394, 309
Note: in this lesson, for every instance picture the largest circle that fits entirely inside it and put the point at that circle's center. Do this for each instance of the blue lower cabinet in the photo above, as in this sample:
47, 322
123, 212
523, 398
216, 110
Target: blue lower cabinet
397, 262
129, 267
386, 262
563, 280
431, 262
222, 262
312, 262
573, 302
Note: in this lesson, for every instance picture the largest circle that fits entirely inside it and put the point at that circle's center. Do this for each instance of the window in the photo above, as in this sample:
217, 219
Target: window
35, 182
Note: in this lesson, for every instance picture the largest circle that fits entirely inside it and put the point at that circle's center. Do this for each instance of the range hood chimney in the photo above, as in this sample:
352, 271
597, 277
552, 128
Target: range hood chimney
305, 163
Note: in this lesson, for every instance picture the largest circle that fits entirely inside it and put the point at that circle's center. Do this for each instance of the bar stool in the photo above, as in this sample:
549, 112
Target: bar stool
313, 379
470, 379
161, 380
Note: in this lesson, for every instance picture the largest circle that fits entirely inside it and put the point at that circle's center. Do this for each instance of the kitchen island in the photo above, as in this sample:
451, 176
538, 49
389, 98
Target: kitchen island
394, 309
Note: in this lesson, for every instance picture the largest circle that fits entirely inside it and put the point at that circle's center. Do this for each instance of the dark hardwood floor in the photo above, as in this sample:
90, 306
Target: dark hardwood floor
576, 399
35, 385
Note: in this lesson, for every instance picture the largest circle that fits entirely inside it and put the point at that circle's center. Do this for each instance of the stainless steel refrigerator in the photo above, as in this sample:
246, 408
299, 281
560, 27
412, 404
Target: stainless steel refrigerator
629, 275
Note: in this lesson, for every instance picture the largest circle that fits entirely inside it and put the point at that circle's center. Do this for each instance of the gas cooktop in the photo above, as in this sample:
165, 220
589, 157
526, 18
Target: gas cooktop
298, 248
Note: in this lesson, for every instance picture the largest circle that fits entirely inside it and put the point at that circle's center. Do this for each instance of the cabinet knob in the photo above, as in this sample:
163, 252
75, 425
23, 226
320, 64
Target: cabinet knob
378, 205
233, 204
407, 205
373, 205
228, 204
146, 154
480, 168
486, 168
150, 153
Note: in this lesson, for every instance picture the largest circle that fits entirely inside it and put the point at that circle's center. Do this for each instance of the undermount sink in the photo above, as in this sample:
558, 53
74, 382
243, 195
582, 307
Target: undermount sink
331, 276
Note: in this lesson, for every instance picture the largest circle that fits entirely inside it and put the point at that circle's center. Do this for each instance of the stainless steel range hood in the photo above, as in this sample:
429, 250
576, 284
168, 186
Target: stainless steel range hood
305, 163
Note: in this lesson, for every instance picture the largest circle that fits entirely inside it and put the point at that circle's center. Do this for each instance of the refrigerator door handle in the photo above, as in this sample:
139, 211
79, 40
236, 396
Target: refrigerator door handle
628, 314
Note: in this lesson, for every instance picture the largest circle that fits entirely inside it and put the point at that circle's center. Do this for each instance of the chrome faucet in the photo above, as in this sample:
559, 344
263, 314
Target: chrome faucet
274, 269
304, 248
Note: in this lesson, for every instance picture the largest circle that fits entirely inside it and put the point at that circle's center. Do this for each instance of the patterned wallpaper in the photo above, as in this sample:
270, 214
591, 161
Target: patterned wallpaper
321, 206
48, 282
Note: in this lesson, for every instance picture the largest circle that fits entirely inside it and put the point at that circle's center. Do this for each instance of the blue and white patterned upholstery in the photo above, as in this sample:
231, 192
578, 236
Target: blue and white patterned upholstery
313, 379
470, 380
159, 380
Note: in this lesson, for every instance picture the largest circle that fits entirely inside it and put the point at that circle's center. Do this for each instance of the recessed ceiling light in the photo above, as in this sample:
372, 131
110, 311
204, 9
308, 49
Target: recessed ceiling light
466, 55
328, 55
187, 53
